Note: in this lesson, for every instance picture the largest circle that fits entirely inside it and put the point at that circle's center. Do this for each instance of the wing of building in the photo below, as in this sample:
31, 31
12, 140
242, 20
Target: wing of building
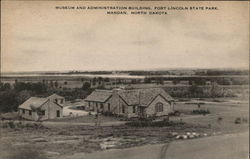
131, 103
42, 108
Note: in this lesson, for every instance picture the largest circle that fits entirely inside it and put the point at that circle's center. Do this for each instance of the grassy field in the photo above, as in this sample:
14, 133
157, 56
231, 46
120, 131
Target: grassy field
87, 119
60, 140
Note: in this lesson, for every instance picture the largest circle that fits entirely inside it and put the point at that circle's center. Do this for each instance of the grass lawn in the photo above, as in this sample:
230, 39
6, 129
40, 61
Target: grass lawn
87, 119
60, 141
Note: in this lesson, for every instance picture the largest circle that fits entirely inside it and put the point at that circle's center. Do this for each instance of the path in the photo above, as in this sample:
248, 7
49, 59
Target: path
230, 146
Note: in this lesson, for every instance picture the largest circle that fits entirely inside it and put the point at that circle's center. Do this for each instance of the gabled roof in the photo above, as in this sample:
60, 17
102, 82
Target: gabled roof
36, 102
33, 103
143, 97
99, 96
54, 96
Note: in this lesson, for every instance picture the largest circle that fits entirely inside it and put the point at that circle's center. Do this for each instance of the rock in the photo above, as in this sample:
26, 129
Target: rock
188, 133
174, 133
204, 134
39, 140
184, 136
194, 133
191, 136
51, 154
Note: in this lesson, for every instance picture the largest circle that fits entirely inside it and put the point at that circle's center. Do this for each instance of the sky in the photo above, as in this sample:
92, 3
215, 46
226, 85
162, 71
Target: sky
38, 37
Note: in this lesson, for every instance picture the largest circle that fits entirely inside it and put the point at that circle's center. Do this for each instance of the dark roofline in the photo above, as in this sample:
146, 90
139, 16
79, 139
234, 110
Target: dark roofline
125, 100
149, 102
99, 101
37, 107
156, 97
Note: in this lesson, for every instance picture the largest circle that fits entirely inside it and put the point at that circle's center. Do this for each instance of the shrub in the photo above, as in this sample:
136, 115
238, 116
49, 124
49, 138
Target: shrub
175, 113
219, 119
201, 111
27, 152
153, 123
11, 124
237, 120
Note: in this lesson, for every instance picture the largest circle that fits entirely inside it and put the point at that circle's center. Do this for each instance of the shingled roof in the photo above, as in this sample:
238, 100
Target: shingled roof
36, 102
33, 103
99, 95
54, 96
143, 97
131, 97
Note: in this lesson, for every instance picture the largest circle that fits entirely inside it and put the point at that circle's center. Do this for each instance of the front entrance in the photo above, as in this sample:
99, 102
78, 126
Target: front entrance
58, 113
142, 112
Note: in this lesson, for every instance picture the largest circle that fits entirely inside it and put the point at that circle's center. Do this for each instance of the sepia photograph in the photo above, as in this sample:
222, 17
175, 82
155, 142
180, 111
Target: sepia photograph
124, 80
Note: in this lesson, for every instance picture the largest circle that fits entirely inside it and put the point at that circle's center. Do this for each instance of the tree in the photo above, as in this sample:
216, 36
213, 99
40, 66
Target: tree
23, 96
86, 86
51, 84
176, 81
147, 80
99, 79
56, 84
94, 81
5, 86
215, 90
195, 91
106, 79
8, 101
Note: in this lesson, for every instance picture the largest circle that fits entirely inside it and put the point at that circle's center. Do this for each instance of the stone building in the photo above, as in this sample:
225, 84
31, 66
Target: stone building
131, 103
36, 108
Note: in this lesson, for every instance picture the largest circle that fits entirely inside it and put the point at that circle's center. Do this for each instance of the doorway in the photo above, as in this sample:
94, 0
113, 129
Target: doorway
58, 113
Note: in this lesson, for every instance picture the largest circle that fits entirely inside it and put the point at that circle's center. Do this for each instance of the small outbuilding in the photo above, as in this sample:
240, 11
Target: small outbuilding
36, 108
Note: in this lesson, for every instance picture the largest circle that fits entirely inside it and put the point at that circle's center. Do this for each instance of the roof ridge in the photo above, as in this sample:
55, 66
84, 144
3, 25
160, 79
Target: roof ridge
103, 90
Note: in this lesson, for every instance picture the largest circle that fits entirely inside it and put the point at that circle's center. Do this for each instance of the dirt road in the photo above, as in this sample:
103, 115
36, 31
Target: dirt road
230, 146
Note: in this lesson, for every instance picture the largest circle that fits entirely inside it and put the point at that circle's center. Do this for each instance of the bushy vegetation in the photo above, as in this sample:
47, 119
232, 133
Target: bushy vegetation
209, 91
150, 123
201, 111
11, 96
27, 152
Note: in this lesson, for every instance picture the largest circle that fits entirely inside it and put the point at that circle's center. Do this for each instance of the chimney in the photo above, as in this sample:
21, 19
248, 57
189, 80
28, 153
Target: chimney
115, 100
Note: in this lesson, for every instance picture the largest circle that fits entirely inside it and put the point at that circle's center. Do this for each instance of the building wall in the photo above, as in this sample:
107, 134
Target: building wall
167, 107
117, 104
131, 113
26, 115
60, 101
50, 109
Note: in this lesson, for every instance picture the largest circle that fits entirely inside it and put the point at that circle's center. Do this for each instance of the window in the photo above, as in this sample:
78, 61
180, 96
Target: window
56, 100
58, 113
123, 109
159, 107
109, 107
61, 101
101, 105
23, 111
43, 112
133, 109
30, 112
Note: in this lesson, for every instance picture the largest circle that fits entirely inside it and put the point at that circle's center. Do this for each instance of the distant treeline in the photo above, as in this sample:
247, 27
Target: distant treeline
241, 80
78, 72
222, 72
190, 72
211, 91
150, 73
11, 96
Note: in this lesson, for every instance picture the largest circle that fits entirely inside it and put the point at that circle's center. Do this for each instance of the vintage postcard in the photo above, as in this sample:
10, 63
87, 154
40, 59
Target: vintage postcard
124, 80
